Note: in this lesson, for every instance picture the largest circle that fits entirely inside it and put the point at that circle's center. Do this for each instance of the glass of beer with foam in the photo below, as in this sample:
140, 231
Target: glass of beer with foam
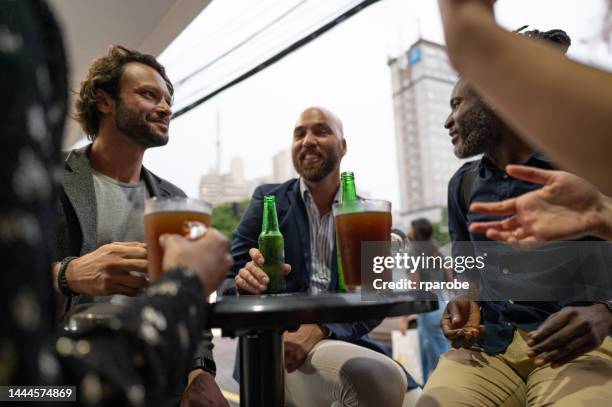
176, 215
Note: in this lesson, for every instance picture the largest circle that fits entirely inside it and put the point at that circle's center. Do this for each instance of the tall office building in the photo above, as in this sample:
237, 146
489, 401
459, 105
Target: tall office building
422, 81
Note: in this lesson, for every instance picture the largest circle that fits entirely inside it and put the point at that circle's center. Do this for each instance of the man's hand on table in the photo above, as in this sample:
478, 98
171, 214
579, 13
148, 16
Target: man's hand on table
108, 270
569, 333
251, 279
461, 322
299, 343
202, 391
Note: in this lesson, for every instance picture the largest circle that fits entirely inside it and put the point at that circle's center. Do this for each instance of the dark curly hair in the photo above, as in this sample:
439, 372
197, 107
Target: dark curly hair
556, 36
105, 74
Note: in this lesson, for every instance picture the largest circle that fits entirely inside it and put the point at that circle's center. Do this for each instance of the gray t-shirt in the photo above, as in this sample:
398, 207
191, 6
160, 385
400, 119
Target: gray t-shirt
120, 210
120, 214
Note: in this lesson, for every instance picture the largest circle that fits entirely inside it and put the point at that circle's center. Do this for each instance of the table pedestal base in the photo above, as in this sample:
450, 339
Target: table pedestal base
262, 372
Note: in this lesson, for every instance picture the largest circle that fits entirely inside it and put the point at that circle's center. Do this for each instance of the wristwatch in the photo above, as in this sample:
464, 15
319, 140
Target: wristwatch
62, 282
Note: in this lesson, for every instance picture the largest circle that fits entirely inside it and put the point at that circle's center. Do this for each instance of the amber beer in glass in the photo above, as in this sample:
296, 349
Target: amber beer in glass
168, 215
363, 221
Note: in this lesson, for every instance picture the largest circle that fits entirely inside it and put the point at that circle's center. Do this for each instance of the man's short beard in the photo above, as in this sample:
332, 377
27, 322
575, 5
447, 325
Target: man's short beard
129, 123
316, 173
480, 132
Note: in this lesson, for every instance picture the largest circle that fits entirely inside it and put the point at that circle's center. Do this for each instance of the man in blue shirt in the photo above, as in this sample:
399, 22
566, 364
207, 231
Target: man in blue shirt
524, 353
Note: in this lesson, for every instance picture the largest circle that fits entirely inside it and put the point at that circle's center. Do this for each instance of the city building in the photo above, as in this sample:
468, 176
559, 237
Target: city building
282, 167
422, 82
218, 188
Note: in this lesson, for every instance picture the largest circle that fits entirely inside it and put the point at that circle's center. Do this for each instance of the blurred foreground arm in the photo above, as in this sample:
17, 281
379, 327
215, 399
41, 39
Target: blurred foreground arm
152, 346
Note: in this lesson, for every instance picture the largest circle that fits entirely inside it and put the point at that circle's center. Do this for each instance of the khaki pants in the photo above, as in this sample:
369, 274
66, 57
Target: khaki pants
470, 378
338, 373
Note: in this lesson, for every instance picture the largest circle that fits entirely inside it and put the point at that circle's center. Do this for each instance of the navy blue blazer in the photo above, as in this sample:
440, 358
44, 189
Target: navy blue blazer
293, 222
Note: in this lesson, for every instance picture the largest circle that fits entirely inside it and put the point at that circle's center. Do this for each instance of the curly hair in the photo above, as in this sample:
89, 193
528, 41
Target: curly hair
556, 36
105, 74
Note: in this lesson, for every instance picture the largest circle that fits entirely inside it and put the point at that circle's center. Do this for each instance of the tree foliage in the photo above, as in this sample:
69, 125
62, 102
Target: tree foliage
225, 217
441, 229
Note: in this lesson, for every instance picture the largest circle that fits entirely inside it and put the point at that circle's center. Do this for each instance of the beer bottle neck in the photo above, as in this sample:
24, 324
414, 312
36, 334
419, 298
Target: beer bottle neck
349, 193
270, 219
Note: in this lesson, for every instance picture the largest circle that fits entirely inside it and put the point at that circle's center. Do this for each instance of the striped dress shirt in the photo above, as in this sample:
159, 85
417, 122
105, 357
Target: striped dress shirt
322, 236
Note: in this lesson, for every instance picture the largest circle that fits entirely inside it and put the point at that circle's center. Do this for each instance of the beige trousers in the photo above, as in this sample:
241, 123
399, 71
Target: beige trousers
470, 378
337, 373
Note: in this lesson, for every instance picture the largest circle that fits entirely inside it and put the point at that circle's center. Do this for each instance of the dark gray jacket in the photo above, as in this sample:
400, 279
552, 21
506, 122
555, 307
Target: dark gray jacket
77, 224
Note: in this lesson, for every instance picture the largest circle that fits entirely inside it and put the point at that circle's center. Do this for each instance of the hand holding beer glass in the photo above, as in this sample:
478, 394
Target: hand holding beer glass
365, 220
177, 235
177, 215
208, 257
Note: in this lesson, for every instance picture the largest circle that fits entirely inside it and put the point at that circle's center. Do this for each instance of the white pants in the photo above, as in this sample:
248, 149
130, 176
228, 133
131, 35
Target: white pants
338, 374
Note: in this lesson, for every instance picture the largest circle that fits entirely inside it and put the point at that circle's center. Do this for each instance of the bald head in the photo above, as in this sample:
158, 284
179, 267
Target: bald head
324, 115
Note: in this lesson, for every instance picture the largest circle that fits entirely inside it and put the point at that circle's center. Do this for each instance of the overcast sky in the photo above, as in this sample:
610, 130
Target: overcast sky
344, 70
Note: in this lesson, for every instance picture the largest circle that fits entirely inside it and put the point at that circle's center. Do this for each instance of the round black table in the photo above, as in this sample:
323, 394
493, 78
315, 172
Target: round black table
259, 322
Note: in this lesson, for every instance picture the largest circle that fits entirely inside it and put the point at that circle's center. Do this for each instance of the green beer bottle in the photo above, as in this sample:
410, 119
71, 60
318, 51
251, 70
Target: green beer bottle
348, 191
348, 197
272, 246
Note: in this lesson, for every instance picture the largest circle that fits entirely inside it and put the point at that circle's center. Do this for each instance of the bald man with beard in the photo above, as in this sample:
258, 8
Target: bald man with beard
325, 363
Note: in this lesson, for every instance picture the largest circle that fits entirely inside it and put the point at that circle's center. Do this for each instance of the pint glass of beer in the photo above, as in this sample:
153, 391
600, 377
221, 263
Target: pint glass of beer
170, 215
362, 221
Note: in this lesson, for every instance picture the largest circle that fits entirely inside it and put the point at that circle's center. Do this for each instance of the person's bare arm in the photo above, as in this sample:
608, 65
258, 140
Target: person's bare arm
562, 107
